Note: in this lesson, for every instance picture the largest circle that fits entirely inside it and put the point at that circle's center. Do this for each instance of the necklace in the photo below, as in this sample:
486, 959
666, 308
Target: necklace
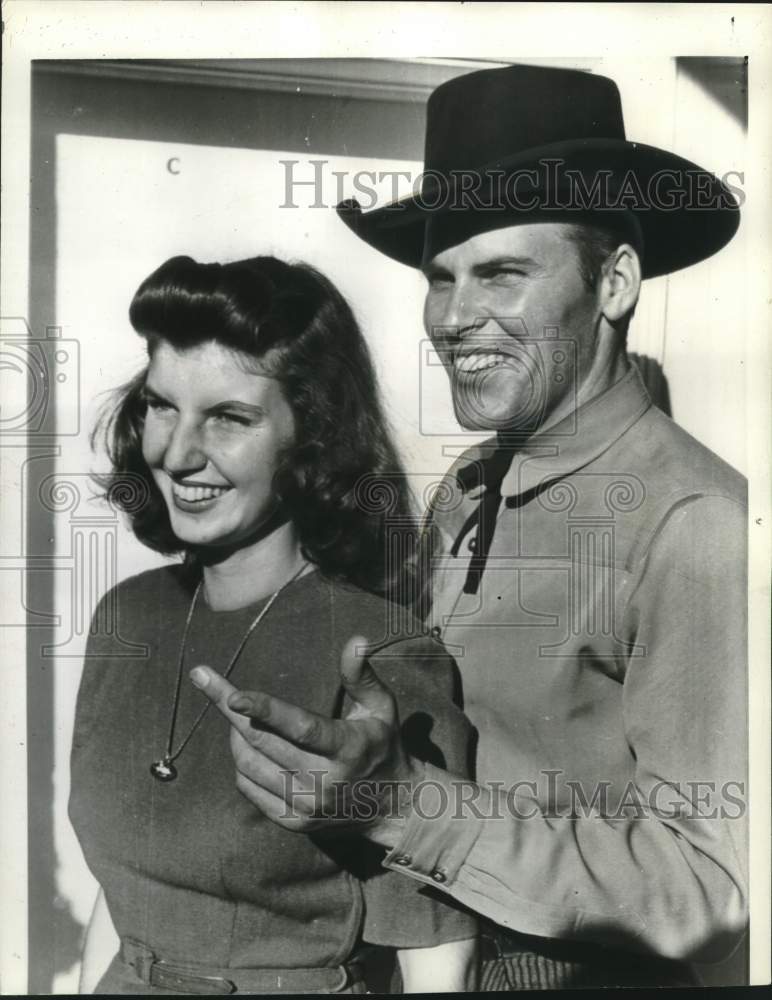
164, 769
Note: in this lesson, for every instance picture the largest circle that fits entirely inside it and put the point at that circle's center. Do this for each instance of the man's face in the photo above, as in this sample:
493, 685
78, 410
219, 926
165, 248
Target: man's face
514, 324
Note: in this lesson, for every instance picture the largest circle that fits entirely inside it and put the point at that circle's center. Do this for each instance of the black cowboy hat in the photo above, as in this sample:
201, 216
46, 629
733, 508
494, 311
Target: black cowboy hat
531, 143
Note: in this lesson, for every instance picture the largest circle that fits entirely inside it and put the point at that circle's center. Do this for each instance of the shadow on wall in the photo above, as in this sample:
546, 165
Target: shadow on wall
655, 381
725, 80
68, 934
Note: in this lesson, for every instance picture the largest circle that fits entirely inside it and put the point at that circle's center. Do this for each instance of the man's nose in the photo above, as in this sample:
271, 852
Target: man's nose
184, 451
459, 312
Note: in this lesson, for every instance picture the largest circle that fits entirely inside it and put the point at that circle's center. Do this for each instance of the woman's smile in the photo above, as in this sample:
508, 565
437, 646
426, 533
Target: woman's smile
214, 433
194, 498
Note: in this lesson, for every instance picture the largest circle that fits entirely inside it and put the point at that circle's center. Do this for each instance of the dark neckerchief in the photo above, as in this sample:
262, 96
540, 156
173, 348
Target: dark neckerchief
488, 474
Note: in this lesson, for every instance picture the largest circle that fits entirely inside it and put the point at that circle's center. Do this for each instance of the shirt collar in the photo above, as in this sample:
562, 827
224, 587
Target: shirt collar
560, 450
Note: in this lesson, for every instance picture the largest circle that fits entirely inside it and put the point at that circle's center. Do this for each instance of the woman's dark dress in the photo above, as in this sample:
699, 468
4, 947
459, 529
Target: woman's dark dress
190, 868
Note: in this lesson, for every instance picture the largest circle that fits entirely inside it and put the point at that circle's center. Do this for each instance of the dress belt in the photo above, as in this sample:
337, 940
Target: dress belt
211, 981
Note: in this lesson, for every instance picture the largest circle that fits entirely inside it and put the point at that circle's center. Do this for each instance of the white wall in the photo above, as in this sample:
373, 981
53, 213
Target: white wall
705, 346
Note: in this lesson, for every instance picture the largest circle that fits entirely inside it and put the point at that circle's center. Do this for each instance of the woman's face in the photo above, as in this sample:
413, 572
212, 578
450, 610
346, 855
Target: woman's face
212, 436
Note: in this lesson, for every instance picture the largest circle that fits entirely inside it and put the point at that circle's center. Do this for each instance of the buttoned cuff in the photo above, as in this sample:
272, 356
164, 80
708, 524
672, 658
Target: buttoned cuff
441, 827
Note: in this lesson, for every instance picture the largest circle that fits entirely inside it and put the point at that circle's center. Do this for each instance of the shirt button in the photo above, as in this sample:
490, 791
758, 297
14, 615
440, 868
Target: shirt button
436, 631
439, 876
403, 859
472, 544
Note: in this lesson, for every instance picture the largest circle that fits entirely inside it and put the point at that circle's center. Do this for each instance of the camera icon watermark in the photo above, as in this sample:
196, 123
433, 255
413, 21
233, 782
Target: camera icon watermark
506, 380
41, 381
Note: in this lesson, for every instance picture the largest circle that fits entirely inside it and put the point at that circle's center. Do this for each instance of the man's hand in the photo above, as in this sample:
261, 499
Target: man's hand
307, 772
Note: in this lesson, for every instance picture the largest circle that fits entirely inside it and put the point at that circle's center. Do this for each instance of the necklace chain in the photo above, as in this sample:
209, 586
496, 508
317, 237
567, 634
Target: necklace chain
164, 769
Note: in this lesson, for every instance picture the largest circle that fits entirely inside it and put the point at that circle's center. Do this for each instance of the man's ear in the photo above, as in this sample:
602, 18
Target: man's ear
620, 284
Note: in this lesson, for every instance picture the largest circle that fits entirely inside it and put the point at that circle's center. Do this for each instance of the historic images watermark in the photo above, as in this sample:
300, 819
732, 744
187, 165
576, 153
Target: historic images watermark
39, 367
550, 186
549, 795
42, 411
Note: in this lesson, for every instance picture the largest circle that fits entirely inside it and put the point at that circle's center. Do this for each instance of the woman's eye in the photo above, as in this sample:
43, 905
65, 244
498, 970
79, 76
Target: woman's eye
232, 418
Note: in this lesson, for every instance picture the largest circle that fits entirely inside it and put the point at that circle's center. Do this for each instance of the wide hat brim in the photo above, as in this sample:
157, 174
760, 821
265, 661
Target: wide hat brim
685, 213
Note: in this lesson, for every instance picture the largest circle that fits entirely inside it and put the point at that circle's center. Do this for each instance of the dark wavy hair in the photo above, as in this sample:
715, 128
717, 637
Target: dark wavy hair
341, 478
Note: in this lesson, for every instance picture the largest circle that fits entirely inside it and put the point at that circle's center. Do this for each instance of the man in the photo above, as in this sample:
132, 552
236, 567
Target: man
587, 564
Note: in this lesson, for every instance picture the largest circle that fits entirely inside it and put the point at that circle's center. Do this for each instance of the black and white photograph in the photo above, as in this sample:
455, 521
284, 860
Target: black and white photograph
385, 497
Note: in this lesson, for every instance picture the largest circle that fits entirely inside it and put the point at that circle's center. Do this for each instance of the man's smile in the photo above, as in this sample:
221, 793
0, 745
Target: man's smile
471, 362
477, 361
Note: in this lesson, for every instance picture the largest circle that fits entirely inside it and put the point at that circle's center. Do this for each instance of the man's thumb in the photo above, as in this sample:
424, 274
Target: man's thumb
362, 683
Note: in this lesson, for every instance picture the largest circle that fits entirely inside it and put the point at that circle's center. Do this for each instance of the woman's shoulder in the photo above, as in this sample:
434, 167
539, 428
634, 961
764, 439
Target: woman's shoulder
362, 612
146, 592
399, 644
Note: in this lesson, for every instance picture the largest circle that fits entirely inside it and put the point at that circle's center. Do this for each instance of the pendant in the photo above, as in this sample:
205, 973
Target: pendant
163, 770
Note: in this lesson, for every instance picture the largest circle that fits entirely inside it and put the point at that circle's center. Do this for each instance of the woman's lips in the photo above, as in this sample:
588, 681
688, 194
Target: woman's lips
198, 492
197, 498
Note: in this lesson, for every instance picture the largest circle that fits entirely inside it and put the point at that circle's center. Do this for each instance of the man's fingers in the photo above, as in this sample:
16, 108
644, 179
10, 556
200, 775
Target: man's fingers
307, 730
272, 806
285, 726
289, 736
288, 797
362, 683
218, 690
254, 764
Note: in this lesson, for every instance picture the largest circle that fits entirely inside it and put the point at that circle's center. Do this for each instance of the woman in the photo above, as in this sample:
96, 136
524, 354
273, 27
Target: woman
252, 427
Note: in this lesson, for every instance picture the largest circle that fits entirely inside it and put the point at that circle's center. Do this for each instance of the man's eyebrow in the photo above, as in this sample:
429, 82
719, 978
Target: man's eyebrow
490, 264
435, 271
505, 261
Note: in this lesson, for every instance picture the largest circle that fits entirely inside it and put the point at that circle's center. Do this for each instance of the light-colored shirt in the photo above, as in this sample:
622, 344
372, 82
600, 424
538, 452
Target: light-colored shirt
602, 647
